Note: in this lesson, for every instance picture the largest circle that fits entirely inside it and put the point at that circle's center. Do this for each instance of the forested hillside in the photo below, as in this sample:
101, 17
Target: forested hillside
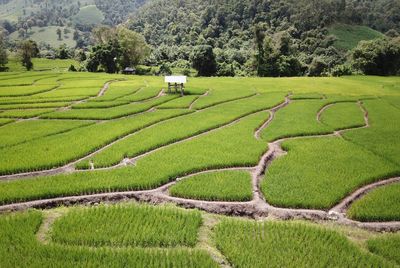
298, 28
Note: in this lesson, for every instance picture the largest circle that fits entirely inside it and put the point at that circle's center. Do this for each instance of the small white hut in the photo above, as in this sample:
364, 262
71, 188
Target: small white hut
178, 82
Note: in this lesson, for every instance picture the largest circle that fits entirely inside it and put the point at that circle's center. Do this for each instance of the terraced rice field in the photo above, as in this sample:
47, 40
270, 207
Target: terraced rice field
111, 171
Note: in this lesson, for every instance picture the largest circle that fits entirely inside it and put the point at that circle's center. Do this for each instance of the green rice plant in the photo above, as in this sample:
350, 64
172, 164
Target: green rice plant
181, 128
289, 244
29, 130
37, 105
39, 101
233, 146
386, 246
179, 103
22, 79
297, 119
393, 100
98, 104
128, 226
382, 204
11, 91
217, 97
109, 113
25, 113
56, 150
5, 121
307, 96
343, 115
215, 186
20, 248
320, 172
121, 89
143, 94
382, 137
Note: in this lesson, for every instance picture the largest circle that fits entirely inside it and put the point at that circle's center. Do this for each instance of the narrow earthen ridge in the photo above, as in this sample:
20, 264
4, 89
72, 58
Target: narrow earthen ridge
348, 201
206, 241
322, 110
194, 102
49, 218
272, 112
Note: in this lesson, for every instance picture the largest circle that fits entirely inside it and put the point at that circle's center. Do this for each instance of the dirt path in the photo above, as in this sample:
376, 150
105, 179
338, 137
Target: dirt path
206, 241
49, 217
342, 207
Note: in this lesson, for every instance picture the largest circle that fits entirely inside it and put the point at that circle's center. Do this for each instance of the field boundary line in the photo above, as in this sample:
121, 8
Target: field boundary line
344, 205
195, 100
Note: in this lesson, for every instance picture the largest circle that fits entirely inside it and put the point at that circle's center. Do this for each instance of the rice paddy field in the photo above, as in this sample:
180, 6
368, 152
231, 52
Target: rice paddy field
100, 170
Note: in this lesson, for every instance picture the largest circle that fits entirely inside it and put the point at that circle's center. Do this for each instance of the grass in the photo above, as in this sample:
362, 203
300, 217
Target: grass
34, 105
172, 131
216, 186
128, 226
141, 95
108, 113
297, 119
5, 121
30, 130
99, 104
382, 204
13, 91
45, 152
180, 103
20, 248
343, 115
278, 244
386, 246
350, 35
49, 36
319, 172
25, 113
382, 137
229, 147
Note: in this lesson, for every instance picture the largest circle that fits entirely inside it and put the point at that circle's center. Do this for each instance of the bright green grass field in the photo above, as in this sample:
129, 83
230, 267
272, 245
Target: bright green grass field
387, 246
350, 35
232, 146
21, 248
319, 172
215, 186
382, 204
278, 244
49, 36
127, 226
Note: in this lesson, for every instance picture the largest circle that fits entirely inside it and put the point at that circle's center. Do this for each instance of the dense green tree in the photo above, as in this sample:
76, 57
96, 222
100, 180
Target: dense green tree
203, 60
3, 52
105, 56
26, 50
378, 57
63, 52
133, 47
59, 33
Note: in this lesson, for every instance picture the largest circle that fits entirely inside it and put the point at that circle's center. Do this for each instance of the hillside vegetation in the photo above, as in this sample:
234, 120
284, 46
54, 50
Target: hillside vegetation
348, 36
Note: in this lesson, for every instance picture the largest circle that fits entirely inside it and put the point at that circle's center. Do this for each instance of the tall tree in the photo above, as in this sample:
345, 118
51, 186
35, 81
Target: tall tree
59, 33
26, 51
3, 52
203, 60
133, 47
